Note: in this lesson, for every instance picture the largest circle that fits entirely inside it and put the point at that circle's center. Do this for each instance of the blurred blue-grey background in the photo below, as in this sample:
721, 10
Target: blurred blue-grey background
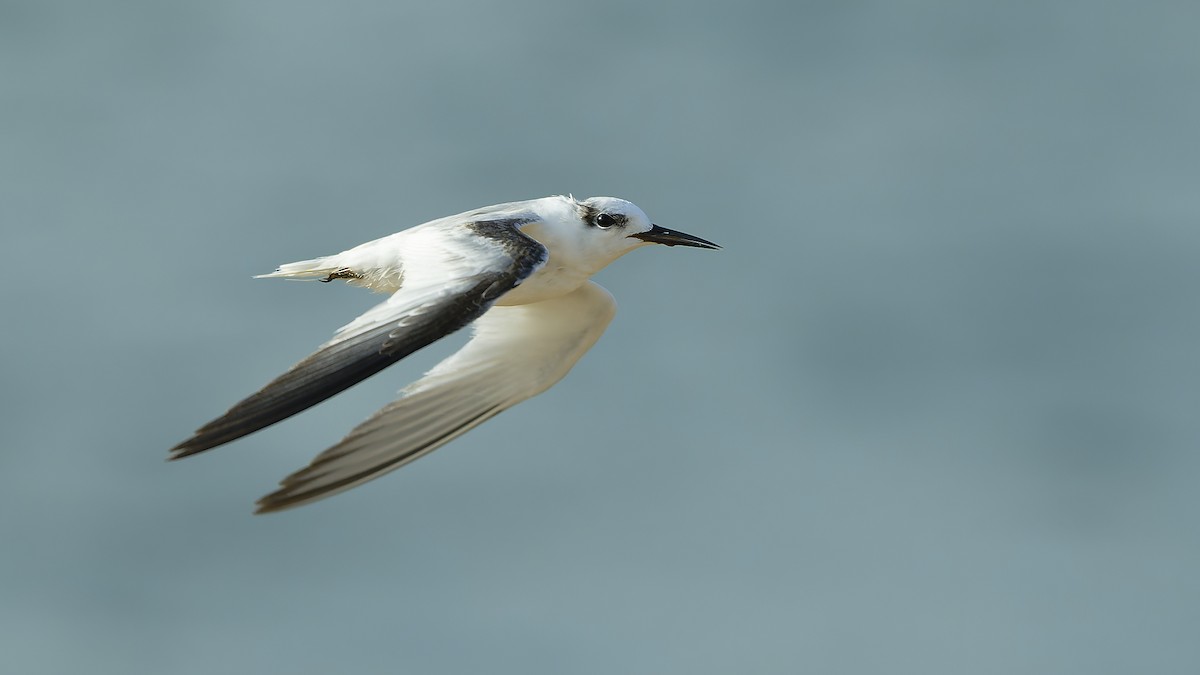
932, 410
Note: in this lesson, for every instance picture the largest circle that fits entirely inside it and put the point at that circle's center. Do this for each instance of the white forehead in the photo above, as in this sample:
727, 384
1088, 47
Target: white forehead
615, 205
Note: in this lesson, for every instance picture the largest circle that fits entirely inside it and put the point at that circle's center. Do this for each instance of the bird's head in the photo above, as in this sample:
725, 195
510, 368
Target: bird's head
610, 227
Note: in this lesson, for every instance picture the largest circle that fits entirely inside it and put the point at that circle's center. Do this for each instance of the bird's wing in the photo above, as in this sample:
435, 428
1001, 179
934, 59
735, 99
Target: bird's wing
452, 275
516, 352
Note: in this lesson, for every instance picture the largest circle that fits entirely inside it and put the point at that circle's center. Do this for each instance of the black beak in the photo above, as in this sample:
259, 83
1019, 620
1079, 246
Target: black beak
661, 235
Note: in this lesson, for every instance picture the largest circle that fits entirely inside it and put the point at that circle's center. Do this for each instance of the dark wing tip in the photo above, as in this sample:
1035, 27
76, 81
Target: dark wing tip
287, 496
192, 446
263, 507
207, 437
184, 449
229, 427
291, 492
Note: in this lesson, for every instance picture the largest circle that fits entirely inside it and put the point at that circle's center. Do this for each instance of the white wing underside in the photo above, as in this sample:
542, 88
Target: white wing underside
516, 352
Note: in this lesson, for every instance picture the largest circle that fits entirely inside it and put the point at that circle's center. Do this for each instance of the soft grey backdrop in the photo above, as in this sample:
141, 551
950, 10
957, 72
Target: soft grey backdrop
932, 410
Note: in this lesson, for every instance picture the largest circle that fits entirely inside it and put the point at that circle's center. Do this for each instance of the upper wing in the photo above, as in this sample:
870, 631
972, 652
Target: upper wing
517, 352
452, 275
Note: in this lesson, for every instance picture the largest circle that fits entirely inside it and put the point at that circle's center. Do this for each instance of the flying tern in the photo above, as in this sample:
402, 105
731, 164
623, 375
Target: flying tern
517, 272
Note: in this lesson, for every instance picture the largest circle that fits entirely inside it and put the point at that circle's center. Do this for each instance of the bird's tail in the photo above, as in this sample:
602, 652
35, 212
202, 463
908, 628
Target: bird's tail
305, 269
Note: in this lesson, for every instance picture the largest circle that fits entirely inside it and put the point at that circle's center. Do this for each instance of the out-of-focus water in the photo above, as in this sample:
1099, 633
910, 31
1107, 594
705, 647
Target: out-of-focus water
932, 410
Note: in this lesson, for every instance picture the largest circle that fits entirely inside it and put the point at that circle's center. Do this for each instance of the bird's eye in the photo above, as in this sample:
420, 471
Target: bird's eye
605, 221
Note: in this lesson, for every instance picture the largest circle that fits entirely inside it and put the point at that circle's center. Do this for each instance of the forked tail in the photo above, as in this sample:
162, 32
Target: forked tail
305, 269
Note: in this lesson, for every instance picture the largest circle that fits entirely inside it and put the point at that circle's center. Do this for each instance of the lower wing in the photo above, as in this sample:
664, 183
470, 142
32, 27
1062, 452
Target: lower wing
516, 353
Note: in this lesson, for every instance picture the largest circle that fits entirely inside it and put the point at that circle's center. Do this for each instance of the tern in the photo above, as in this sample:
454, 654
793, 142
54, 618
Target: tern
519, 273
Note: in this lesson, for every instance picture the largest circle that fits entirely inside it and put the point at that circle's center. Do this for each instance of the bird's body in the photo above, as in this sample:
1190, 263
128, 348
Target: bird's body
520, 271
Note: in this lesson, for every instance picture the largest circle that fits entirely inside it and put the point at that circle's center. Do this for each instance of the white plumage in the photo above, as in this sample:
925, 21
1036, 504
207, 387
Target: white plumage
520, 271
